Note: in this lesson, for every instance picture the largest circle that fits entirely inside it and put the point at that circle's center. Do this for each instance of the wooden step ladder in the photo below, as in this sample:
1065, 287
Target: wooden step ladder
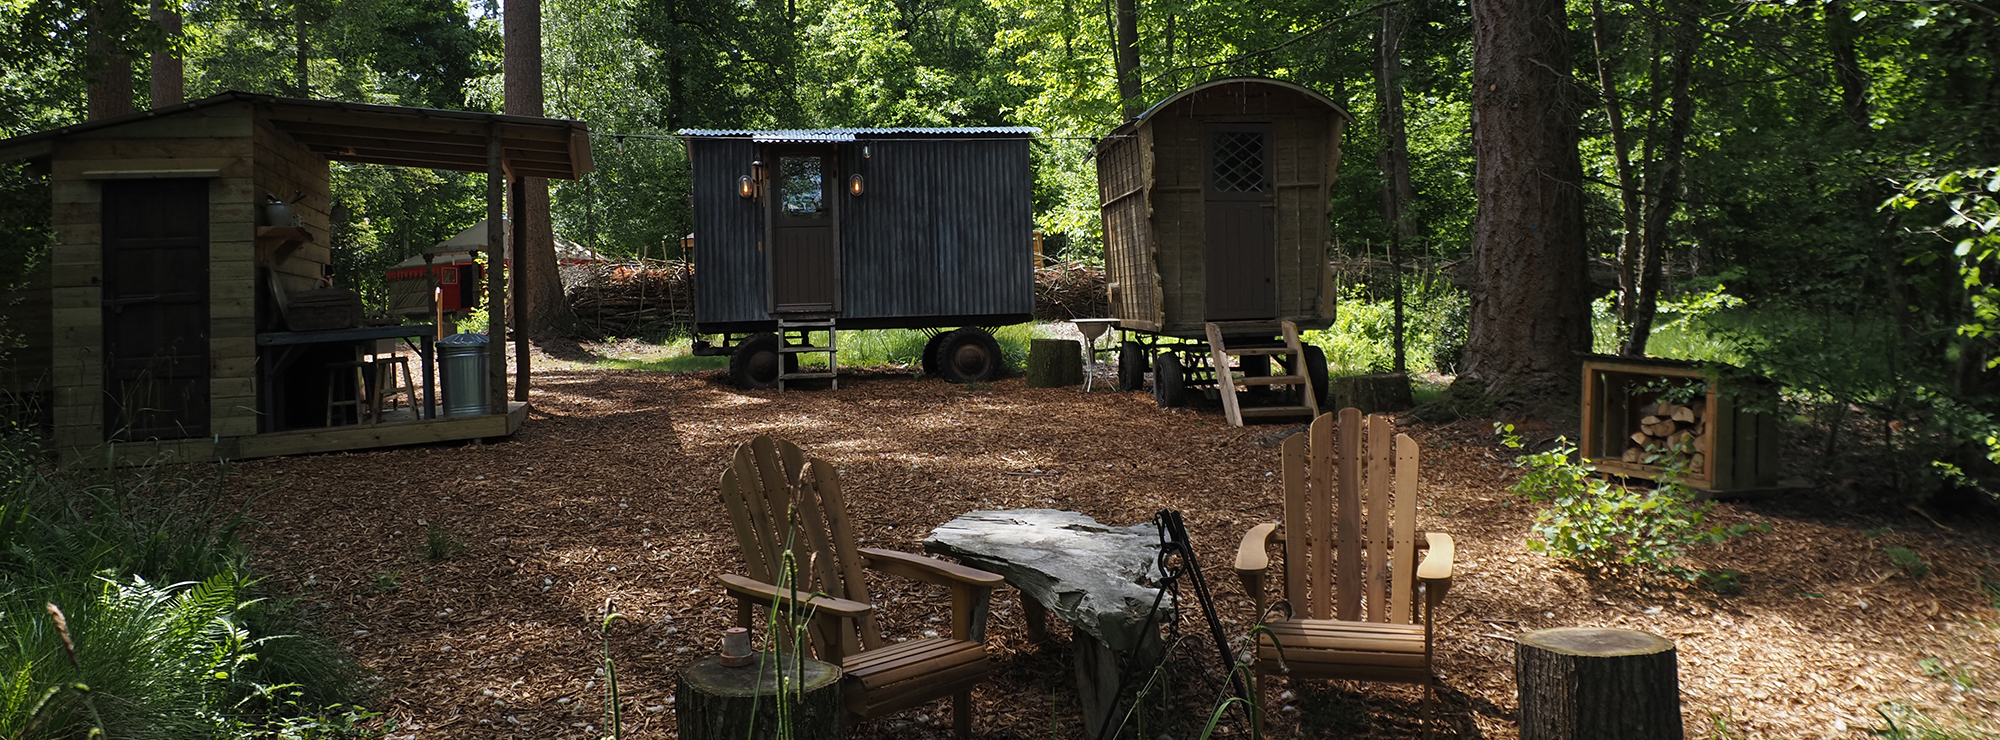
795, 338
1228, 382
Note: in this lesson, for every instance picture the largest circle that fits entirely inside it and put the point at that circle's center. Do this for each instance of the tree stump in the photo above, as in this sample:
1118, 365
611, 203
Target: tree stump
1371, 393
1581, 683
1054, 363
716, 702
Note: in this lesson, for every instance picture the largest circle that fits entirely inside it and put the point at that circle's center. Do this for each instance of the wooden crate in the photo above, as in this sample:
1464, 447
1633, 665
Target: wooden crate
1738, 443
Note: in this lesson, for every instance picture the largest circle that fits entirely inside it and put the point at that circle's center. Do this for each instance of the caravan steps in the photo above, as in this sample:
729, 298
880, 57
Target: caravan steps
1230, 382
795, 335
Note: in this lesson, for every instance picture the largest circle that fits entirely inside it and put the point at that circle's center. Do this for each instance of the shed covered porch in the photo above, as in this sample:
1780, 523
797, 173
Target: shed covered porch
169, 277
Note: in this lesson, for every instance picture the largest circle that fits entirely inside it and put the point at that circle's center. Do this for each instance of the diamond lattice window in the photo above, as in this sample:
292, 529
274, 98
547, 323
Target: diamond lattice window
1239, 162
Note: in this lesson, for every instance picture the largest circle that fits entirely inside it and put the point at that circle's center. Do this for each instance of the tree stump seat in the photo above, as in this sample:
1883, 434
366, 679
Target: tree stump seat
1580, 683
718, 702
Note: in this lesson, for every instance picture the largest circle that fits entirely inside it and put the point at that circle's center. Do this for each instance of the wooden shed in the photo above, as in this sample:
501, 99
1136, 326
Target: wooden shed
1216, 210
172, 330
798, 233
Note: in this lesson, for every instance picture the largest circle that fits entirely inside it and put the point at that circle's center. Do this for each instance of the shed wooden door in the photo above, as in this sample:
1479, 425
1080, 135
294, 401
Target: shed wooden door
155, 309
805, 251
1239, 201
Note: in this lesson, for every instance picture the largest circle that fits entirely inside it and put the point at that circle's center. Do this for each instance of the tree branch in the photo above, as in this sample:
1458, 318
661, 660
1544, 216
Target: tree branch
1282, 44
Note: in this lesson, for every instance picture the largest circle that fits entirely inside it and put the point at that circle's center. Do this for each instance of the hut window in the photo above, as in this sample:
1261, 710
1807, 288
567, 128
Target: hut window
1239, 162
803, 189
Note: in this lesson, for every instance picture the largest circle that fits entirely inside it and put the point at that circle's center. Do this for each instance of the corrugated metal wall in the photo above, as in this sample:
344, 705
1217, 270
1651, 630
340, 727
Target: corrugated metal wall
729, 262
944, 228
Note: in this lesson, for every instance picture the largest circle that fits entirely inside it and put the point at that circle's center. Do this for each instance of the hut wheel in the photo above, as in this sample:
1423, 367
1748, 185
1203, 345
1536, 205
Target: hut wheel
1131, 366
969, 355
1316, 374
1169, 382
754, 364
929, 359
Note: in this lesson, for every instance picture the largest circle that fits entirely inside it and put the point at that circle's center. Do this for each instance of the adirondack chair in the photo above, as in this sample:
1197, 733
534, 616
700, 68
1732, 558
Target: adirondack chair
780, 500
1351, 577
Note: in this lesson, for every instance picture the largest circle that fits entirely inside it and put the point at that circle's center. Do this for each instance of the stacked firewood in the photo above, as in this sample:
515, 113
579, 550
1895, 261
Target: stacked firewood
1675, 432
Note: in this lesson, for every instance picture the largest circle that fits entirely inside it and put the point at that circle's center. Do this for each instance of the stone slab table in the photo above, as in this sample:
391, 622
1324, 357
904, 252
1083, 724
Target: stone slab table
1094, 576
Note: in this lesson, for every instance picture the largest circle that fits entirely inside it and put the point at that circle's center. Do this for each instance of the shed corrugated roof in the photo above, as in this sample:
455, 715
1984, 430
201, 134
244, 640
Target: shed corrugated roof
850, 134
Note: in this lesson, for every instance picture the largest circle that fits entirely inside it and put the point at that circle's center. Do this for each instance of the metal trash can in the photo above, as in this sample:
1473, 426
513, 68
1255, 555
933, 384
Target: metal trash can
462, 370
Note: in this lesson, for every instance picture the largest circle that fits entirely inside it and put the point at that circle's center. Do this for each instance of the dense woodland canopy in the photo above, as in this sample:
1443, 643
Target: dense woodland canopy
1735, 157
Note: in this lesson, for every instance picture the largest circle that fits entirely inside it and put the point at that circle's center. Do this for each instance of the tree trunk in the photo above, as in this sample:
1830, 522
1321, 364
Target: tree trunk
1128, 58
109, 91
1631, 208
1840, 32
165, 68
1665, 199
1529, 313
714, 702
538, 294
1396, 189
1581, 683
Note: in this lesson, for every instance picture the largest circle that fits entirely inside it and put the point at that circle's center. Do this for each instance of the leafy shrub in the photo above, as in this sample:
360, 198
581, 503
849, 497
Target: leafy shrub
127, 607
1362, 338
1605, 527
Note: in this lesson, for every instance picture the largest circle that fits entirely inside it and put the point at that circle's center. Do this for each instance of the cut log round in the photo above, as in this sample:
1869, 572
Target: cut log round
1641, 438
1649, 421
1054, 363
1578, 683
1632, 454
715, 702
1684, 414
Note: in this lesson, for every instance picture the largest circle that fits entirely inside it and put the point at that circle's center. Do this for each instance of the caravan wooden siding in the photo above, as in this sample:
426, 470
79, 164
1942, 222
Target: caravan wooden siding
942, 233
1155, 176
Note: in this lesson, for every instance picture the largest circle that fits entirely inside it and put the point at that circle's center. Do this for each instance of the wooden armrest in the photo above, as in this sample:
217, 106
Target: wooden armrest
927, 569
1254, 553
764, 593
1437, 562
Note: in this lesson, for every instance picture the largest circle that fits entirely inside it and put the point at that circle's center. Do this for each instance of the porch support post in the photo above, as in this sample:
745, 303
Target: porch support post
496, 282
517, 204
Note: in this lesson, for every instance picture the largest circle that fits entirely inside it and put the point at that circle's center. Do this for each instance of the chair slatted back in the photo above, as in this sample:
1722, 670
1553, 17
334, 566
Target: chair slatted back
1350, 520
779, 500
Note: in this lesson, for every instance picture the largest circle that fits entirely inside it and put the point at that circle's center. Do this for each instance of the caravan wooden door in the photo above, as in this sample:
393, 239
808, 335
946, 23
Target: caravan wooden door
155, 309
805, 242
1239, 199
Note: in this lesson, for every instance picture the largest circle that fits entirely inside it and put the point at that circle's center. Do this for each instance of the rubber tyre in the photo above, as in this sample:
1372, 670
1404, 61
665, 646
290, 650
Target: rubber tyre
1316, 374
755, 363
1169, 381
969, 355
929, 360
1131, 366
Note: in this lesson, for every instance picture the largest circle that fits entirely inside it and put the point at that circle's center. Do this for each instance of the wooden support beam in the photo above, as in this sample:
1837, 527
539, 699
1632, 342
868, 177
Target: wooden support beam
517, 207
496, 282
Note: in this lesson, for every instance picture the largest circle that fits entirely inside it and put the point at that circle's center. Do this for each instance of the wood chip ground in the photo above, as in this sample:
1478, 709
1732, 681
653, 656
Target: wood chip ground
607, 498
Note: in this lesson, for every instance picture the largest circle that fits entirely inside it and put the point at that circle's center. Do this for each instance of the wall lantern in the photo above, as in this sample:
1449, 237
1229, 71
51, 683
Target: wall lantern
745, 188
854, 185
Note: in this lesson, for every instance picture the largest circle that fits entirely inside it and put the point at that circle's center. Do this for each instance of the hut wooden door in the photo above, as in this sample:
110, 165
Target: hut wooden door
805, 248
1239, 204
155, 309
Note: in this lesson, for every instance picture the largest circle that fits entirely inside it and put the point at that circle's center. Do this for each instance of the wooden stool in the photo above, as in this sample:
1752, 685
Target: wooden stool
1578, 683
715, 702
385, 386
358, 371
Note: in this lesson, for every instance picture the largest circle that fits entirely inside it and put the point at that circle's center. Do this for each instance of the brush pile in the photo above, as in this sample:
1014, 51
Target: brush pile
638, 298
1070, 290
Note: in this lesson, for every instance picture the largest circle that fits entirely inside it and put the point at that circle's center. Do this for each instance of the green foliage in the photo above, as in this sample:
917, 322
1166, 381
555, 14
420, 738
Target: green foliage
1908, 561
1902, 722
1610, 528
127, 606
439, 544
1362, 338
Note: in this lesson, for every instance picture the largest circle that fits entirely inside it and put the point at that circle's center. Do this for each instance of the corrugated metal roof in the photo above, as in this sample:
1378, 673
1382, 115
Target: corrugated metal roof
849, 134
